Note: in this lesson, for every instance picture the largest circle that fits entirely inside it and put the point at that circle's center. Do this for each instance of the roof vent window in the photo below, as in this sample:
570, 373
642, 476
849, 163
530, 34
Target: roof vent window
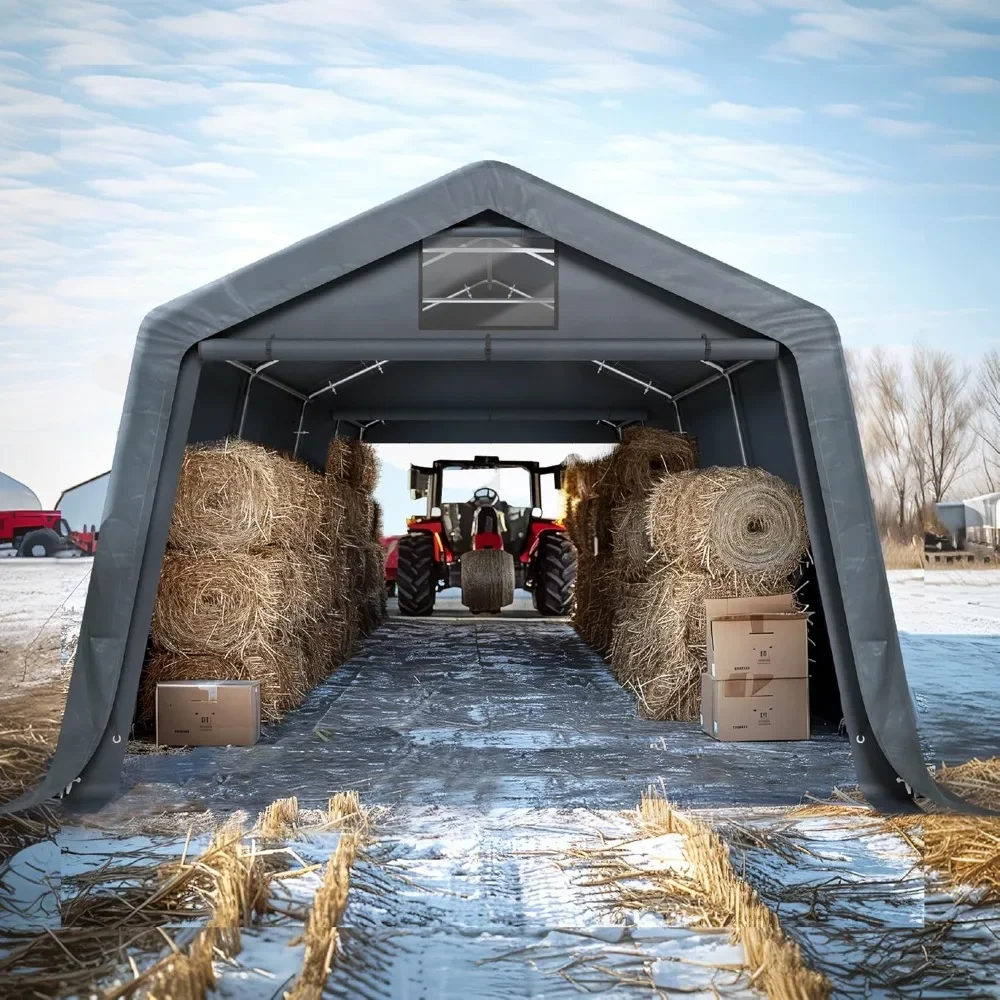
487, 277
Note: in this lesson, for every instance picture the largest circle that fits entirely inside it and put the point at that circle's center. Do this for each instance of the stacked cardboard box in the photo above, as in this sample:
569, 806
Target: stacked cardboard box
756, 683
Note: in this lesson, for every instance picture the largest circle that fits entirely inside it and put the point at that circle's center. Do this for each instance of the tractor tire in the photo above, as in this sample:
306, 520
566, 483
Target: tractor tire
555, 575
487, 581
416, 584
41, 543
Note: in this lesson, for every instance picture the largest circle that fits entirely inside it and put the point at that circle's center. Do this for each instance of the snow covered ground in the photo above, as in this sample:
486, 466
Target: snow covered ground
41, 605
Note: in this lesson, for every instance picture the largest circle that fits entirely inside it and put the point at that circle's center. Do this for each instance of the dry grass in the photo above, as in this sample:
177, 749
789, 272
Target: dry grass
30, 720
775, 962
728, 522
903, 555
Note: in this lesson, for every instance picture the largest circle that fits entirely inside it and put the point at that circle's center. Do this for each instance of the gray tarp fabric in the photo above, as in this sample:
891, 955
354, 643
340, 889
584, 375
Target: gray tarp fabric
876, 700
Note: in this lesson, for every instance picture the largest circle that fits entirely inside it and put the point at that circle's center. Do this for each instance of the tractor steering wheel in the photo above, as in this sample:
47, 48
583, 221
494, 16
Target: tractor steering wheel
485, 497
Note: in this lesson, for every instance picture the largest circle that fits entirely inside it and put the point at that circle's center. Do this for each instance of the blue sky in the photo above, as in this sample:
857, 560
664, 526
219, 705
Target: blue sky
849, 152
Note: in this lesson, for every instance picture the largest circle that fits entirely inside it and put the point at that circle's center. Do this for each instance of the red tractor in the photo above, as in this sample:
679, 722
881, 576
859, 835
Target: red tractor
453, 542
42, 533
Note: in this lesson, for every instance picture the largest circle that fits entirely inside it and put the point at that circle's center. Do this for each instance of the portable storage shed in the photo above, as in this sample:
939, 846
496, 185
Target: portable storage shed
541, 317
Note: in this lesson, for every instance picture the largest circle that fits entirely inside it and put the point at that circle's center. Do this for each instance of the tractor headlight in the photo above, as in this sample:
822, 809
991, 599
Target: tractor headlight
536, 511
435, 511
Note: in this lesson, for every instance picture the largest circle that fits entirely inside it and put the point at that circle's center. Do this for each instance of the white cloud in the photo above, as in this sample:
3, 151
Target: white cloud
152, 187
897, 128
839, 30
26, 164
843, 110
749, 115
24, 104
627, 75
141, 92
216, 171
967, 84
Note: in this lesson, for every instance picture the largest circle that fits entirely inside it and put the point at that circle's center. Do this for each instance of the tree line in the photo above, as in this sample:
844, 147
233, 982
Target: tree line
930, 430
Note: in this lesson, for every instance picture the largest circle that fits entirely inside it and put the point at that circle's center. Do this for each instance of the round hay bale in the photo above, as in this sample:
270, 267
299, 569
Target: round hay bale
646, 454
728, 521
673, 695
487, 580
237, 496
632, 552
233, 605
227, 497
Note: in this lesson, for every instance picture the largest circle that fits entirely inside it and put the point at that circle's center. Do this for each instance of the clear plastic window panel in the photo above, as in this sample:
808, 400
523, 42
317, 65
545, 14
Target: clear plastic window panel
488, 282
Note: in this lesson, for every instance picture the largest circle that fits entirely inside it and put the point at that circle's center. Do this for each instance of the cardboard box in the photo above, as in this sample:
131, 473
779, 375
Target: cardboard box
208, 713
756, 685
753, 709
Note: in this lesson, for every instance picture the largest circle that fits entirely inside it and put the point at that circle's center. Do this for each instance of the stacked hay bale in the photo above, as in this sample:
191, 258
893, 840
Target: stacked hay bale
603, 499
352, 471
247, 583
709, 533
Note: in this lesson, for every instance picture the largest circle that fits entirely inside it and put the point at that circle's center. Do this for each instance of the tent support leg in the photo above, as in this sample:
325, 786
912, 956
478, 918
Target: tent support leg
876, 775
100, 777
252, 373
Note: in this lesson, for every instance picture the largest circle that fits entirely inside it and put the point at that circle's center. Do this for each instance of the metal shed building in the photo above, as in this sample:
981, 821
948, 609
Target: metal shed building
492, 306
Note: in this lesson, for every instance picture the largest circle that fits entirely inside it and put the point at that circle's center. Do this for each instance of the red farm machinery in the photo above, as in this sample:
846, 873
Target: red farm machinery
482, 545
44, 533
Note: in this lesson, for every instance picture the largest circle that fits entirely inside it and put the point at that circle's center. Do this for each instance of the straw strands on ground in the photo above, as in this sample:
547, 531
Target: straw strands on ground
775, 962
123, 912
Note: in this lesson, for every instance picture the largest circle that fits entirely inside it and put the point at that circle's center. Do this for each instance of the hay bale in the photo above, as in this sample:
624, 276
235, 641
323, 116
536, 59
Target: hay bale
487, 580
373, 574
243, 497
646, 454
658, 638
283, 676
728, 522
364, 467
339, 459
630, 546
378, 528
233, 605
595, 599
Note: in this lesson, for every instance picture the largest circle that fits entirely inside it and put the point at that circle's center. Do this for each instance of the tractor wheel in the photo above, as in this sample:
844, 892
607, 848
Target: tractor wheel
555, 575
43, 542
416, 586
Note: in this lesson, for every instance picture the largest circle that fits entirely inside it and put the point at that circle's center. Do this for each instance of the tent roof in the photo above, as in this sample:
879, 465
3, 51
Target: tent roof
500, 189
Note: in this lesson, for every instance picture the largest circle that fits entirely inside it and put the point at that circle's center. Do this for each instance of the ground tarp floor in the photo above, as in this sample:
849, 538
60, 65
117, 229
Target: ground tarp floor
519, 712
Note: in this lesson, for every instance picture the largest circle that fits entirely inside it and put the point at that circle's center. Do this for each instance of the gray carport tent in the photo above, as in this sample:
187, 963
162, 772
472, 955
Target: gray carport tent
325, 337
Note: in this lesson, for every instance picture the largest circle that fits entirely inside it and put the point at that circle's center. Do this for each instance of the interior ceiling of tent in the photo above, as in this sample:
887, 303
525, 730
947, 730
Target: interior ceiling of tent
465, 281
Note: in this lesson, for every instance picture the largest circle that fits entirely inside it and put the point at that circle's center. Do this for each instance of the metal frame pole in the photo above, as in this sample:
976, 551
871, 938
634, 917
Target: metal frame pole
736, 412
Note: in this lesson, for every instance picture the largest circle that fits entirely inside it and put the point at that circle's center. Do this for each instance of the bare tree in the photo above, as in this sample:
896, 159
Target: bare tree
888, 419
986, 423
940, 427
